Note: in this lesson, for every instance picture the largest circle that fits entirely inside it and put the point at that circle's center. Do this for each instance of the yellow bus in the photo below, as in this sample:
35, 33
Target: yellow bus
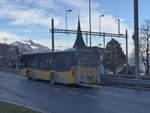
74, 67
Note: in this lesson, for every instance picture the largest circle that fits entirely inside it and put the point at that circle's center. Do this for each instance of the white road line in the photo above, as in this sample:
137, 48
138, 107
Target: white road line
89, 91
91, 96
57, 89
72, 92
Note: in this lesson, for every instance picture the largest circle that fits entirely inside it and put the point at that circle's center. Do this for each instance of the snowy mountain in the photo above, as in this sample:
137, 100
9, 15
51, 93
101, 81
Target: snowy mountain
31, 46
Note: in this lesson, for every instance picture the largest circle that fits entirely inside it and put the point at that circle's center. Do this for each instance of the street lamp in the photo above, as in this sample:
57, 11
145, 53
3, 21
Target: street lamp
90, 18
118, 21
100, 29
66, 12
100, 22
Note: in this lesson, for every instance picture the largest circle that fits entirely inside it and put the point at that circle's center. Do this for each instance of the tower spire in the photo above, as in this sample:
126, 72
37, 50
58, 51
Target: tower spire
79, 43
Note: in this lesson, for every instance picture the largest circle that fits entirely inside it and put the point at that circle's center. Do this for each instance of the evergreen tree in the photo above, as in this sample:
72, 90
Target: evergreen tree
114, 57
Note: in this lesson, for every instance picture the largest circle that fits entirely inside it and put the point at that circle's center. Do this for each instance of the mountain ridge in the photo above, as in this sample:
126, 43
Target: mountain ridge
31, 46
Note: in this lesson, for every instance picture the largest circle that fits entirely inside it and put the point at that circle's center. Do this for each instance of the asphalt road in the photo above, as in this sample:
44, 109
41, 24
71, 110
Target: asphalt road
72, 99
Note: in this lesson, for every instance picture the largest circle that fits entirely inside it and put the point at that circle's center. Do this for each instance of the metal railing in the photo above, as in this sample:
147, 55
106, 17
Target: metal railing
125, 80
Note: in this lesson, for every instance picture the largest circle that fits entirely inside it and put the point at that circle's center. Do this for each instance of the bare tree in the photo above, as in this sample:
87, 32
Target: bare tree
145, 45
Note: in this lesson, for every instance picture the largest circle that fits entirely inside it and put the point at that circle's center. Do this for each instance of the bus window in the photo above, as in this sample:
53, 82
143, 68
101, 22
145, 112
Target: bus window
44, 64
34, 64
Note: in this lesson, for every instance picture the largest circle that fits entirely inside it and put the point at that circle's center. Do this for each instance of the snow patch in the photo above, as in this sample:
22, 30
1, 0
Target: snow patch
31, 46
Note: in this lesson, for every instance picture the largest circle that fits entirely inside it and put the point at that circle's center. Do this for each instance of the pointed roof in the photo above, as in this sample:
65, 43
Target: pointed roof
79, 43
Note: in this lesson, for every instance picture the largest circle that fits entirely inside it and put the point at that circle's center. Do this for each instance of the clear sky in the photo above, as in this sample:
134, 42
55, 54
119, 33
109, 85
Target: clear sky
30, 19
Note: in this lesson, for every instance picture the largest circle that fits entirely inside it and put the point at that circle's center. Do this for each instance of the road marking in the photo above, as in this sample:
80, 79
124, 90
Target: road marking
72, 92
91, 96
57, 89
90, 91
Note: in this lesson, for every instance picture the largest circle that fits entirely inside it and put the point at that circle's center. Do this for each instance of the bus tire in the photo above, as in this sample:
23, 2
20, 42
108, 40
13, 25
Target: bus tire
29, 75
52, 78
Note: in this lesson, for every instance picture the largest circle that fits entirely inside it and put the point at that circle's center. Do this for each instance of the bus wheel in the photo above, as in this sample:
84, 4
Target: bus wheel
52, 78
29, 75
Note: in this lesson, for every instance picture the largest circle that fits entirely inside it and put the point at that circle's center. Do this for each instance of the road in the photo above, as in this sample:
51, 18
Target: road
72, 99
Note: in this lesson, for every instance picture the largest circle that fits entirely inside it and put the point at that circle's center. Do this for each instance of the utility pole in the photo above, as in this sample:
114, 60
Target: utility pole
104, 42
136, 37
86, 40
127, 52
90, 22
52, 35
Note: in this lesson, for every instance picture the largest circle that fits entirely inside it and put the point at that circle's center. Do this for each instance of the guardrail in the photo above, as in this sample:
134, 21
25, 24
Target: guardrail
9, 69
125, 81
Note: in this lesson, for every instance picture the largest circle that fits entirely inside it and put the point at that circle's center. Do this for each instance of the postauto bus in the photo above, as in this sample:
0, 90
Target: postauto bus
72, 67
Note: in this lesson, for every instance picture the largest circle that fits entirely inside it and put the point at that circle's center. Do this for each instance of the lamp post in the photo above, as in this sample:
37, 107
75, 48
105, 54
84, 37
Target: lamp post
100, 29
90, 22
118, 22
100, 22
66, 13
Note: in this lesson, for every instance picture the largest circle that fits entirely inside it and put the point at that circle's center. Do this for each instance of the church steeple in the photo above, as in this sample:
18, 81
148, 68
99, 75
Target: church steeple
79, 43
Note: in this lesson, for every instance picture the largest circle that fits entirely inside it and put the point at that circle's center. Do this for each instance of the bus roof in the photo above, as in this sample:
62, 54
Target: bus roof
46, 53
